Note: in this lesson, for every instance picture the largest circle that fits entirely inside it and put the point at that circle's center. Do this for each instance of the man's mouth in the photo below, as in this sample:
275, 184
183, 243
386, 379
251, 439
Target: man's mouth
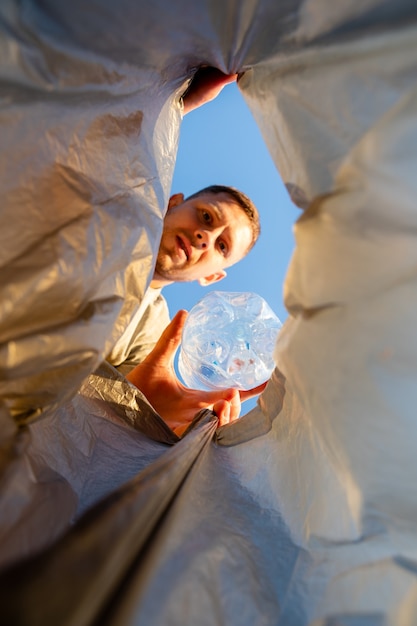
183, 245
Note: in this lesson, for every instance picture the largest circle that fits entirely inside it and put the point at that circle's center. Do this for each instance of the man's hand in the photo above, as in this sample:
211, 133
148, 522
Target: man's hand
175, 403
205, 86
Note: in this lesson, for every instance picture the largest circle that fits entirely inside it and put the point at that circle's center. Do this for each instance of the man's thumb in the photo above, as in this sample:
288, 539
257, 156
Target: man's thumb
170, 339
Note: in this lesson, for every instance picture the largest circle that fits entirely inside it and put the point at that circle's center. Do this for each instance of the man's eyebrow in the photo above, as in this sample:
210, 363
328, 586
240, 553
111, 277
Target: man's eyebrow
217, 210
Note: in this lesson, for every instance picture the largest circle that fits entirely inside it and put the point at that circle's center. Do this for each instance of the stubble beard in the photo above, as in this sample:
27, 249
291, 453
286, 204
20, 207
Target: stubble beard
165, 266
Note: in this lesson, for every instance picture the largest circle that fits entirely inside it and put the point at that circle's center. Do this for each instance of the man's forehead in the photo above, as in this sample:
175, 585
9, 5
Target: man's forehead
221, 202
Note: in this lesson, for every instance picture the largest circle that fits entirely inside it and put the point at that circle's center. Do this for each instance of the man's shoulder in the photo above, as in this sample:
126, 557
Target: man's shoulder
156, 301
142, 332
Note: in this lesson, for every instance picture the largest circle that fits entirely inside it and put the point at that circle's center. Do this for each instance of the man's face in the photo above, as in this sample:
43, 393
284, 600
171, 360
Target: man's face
201, 237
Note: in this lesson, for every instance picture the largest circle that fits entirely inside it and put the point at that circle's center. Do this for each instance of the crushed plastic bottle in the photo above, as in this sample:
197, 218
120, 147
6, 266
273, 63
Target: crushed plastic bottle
228, 341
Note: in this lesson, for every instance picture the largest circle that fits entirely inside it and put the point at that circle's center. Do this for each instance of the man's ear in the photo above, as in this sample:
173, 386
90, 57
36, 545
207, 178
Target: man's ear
213, 278
175, 200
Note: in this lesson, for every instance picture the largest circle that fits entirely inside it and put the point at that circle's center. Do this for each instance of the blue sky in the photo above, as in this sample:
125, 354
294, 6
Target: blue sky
221, 144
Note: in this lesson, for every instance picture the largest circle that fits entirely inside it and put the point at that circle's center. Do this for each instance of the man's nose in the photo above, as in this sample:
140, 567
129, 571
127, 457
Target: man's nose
203, 239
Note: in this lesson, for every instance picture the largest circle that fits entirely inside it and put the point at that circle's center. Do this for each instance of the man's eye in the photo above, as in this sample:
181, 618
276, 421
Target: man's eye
223, 247
206, 217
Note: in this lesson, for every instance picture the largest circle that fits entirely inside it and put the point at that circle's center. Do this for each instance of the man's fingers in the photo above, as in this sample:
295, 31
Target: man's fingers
232, 395
228, 410
235, 405
169, 341
222, 410
251, 393
205, 86
229, 78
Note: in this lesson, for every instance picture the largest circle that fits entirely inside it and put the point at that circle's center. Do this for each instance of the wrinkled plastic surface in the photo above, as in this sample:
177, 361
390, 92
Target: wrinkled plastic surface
228, 341
304, 511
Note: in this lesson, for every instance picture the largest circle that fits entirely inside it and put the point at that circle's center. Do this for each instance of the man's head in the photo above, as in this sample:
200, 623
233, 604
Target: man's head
204, 234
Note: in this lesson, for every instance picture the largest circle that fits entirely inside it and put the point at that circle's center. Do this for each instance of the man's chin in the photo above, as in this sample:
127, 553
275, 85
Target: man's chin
172, 274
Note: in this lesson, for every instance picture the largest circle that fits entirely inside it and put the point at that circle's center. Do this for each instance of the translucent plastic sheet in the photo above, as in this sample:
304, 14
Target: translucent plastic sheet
304, 511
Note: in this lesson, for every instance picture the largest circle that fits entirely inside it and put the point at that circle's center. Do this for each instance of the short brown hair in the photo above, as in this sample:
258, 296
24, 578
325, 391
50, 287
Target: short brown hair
242, 200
